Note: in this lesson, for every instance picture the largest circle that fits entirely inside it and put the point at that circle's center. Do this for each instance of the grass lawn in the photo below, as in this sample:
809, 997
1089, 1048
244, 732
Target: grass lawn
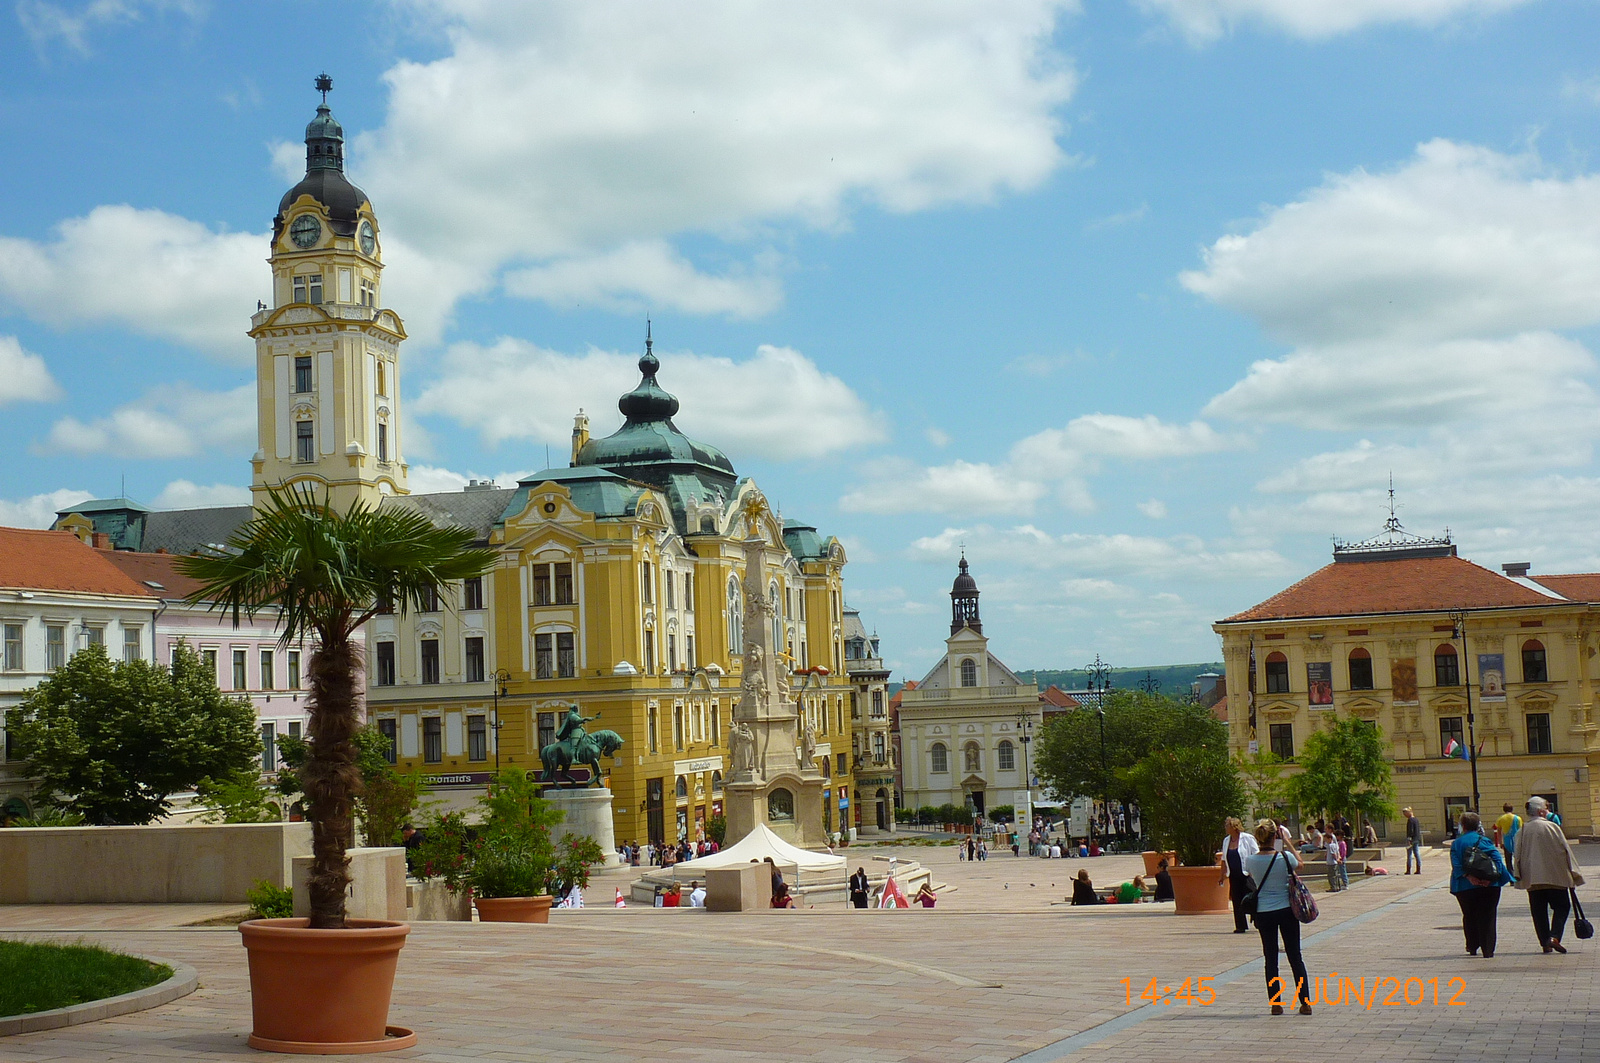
39, 977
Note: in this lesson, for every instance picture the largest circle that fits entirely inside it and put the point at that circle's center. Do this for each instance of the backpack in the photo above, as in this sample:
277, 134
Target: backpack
1478, 865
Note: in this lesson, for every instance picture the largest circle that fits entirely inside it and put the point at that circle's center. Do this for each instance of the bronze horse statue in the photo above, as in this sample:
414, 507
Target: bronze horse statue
589, 748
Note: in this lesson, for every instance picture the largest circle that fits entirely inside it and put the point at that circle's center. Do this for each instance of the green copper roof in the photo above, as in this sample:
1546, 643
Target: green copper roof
597, 491
803, 541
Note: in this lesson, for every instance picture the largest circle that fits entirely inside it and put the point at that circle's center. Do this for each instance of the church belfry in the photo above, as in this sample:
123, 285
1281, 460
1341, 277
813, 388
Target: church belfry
964, 602
327, 354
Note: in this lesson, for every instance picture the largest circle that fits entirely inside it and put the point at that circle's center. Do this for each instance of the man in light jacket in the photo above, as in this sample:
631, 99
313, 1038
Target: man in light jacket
1548, 870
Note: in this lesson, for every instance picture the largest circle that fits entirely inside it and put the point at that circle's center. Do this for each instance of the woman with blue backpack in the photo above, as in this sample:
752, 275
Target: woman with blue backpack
1476, 874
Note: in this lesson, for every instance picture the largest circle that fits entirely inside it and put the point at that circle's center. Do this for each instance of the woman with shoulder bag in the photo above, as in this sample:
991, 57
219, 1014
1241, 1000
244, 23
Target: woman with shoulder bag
1269, 872
1476, 875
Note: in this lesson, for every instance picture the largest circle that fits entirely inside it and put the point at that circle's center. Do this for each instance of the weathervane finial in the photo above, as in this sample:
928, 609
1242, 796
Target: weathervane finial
324, 85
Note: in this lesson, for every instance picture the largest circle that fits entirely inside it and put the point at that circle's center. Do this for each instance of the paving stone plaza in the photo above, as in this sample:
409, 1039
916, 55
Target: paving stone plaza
1000, 970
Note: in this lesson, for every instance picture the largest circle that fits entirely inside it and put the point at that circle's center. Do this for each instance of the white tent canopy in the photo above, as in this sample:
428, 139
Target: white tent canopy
757, 846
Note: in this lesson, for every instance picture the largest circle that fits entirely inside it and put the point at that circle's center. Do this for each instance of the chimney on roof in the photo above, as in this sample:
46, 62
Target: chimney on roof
1516, 569
100, 541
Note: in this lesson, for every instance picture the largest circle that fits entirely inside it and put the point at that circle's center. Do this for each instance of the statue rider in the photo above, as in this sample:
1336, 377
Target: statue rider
572, 728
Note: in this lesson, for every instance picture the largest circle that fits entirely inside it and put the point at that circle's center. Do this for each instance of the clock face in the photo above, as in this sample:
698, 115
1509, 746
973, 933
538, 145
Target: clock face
369, 239
305, 230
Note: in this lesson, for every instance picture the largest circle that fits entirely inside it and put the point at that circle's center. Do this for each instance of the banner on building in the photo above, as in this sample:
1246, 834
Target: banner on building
1491, 677
1319, 682
1403, 680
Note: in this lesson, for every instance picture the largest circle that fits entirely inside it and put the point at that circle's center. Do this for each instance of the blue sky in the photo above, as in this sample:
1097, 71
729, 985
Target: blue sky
1141, 300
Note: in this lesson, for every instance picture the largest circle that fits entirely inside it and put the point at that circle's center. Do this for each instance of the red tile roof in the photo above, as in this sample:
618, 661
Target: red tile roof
1054, 695
1402, 585
146, 569
1579, 586
59, 561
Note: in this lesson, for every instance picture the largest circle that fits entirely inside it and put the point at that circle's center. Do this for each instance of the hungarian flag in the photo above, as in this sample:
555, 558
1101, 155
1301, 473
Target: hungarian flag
1453, 748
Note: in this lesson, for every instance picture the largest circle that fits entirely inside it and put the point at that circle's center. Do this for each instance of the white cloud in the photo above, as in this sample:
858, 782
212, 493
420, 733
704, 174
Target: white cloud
38, 511
44, 22
1461, 241
156, 273
589, 133
1153, 508
937, 436
1117, 221
1389, 383
644, 275
171, 422
1205, 20
186, 494
778, 404
1124, 556
1106, 435
23, 376
961, 487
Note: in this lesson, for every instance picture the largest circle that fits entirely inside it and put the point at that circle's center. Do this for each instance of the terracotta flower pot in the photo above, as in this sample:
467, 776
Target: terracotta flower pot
514, 909
1152, 861
1196, 891
323, 992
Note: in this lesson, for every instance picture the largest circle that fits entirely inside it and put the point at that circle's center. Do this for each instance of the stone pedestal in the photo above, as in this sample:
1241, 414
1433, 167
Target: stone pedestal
748, 802
588, 813
739, 889
377, 887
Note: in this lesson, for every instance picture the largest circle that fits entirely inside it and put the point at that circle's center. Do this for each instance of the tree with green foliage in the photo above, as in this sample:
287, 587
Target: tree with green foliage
1262, 774
388, 797
1185, 794
1067, 754
322, 574
1344, 771
113, 740
238, 798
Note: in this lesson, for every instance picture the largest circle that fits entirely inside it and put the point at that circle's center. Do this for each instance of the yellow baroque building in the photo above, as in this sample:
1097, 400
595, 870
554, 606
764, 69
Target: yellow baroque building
1405, 634
618, 590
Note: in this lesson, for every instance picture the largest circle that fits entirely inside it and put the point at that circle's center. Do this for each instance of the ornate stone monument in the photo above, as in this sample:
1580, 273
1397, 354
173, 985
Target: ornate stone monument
772, 779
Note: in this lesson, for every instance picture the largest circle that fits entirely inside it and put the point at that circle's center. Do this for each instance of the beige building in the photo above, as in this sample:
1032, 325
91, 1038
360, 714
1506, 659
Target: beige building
1377, 635
962, 727
872, 752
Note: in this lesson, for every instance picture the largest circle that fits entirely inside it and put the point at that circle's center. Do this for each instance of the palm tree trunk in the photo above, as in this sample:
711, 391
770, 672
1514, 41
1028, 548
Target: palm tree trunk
331, 778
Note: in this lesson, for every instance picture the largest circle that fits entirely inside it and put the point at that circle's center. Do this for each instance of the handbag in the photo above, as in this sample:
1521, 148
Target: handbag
1477, 864
1301, 902
1247, 903
1580, 926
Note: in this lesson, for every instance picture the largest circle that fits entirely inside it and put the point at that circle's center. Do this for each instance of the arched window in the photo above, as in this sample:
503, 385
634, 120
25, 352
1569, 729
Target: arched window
941, 758
1534, 669
1006, 757
735, 617
1360, 669
1277, 674
1446, 669
683, 788
824, 767
972, 760
969, 672
716, 783
780, 805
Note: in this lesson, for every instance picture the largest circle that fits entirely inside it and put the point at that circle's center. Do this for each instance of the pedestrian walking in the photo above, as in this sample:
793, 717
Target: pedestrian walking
1478, 896
1331, 858
1269, 871
1413, 840
1548, 870
1506, 829
859, 888
1344, 860
1237, 847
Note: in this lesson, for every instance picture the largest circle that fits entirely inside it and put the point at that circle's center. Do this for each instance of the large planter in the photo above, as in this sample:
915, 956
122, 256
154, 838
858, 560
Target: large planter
1196, 891
1152, 861
324, 992
514, 909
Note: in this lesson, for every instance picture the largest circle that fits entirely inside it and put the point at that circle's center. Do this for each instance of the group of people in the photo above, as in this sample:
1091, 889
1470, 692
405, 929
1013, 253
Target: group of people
1531, 852
665, 855
973, 849
1131, 892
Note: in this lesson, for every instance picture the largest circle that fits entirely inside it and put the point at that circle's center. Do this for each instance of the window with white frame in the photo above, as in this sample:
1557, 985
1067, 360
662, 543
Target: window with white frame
131, 642
13, 648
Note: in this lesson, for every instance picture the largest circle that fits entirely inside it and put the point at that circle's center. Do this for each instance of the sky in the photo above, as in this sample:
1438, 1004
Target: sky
1141, 302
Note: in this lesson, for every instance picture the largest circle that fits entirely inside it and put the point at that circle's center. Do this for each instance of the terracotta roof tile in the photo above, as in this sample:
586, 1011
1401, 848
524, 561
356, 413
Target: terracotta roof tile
145, 569
59, 561
1054, 695
1579, 586
1402, 585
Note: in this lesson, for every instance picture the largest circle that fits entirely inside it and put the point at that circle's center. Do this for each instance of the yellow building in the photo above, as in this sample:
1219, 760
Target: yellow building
618, 590
1377, 635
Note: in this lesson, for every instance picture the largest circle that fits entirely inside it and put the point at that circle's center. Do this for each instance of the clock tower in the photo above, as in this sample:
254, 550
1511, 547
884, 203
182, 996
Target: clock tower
327, 353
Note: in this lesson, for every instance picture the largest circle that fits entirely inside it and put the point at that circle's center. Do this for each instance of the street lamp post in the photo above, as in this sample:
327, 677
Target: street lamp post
501, 677
1099, 683
1459, 620
1025, 734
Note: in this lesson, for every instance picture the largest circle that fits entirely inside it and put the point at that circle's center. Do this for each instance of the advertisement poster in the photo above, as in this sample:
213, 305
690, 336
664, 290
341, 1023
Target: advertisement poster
1403, 680
1492, 676
1319, 682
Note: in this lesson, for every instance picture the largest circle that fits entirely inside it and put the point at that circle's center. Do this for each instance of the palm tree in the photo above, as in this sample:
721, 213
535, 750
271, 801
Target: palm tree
324, 574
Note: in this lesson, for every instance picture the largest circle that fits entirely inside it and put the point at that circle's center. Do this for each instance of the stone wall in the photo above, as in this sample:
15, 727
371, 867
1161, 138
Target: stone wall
146, 865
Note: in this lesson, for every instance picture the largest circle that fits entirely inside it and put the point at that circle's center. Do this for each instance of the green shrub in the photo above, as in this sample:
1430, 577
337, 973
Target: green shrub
270, 902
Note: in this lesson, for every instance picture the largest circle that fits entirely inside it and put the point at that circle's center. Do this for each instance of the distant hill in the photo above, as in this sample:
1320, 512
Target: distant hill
1175, 679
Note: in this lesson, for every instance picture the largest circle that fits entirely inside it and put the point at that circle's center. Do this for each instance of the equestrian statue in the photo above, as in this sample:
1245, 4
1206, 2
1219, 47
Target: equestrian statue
575, 745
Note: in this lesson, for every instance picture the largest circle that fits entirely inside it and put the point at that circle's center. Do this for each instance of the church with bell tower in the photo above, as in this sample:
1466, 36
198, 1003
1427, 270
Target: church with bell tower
327, 352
